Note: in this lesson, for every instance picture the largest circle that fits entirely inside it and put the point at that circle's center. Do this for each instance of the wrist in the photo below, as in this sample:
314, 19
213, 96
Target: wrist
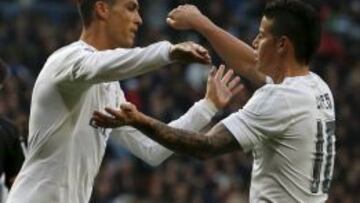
172, 56
211, 105
204, 110
202, 25
140, 120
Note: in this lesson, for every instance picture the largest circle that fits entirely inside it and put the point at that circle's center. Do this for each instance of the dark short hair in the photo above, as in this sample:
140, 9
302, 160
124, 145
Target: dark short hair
299, 22
86, 10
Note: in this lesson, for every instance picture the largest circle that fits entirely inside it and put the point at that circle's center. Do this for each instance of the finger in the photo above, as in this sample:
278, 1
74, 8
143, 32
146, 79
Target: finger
204, 52
102, 124
95, 123
238, 89
170, 22
127, 106
100, 117
114, 112
208, 57
234, 82
228, 75
212, 72
201, 49
200, 58
220, 72
102, 120
172, 13
107, 125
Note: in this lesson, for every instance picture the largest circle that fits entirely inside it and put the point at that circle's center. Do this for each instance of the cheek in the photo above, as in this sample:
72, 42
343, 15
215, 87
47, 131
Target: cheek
265, 52
121, 20
261, 52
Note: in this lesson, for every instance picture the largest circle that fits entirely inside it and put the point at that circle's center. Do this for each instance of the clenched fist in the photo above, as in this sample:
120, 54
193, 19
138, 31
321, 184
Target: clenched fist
185, 17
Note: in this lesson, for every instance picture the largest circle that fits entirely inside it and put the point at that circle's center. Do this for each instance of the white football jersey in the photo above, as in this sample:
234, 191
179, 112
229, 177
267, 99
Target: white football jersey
65, 150
290, 128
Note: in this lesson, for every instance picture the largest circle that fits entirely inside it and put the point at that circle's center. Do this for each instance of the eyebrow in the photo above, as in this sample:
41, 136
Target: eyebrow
134, 3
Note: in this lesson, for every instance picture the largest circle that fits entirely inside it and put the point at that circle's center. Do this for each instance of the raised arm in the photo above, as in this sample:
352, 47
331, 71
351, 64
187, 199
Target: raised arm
92, 66
237, 54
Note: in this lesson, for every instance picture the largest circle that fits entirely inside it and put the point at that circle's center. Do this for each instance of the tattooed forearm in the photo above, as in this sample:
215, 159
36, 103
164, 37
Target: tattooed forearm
199, 145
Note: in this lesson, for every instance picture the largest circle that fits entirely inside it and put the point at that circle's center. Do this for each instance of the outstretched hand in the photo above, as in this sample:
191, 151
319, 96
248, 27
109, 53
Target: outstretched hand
126, 115
221, 86
190, 52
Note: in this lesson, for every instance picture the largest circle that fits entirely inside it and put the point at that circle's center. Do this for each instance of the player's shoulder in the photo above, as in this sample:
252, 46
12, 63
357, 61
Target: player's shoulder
71, 51
291, 93
321, 84
63, 59
267, 100
286, 89
308, 85
303, 92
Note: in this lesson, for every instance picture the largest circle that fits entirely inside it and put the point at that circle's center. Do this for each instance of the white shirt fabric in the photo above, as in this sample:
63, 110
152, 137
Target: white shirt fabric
290, 129
65, 151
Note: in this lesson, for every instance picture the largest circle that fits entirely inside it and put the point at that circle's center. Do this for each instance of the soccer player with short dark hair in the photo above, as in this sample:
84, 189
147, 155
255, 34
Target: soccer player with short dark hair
65, 147
288, 123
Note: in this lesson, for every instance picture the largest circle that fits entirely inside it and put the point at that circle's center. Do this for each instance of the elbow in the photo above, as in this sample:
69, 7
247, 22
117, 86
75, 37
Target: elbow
205, 152
154, 162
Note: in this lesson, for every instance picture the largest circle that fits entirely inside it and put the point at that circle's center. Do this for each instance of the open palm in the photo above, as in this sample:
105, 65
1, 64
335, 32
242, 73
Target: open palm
221, 86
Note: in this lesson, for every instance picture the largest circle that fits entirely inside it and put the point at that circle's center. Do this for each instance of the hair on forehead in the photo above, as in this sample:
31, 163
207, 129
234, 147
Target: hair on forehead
86, 9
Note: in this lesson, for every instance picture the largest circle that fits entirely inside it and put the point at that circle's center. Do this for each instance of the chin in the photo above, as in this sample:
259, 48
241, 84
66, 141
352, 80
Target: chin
128, 44
125, 44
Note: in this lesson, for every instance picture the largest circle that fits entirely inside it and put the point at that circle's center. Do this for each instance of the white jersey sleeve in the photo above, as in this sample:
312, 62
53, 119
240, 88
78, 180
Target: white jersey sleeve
88, 65
265, 115
150, 151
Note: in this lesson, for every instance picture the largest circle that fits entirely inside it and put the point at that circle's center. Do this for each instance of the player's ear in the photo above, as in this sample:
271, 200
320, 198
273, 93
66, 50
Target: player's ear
282, 44
102, 10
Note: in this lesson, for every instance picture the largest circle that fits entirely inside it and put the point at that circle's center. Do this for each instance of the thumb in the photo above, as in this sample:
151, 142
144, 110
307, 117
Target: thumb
170, 22
127, 106
202, 50
212, 72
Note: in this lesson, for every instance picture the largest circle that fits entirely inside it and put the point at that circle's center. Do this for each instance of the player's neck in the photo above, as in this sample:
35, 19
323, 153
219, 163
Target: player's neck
96, 37
290, 69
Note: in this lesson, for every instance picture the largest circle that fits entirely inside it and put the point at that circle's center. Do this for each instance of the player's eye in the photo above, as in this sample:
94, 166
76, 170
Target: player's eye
132, 7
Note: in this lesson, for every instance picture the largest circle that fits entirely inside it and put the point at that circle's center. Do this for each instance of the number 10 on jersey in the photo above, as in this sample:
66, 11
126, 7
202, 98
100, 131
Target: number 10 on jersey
324, 156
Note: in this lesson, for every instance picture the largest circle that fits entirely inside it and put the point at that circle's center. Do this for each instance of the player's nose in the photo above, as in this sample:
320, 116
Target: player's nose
138, 19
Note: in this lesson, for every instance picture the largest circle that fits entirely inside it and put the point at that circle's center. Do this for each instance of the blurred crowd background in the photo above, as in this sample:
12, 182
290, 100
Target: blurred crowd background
30, 30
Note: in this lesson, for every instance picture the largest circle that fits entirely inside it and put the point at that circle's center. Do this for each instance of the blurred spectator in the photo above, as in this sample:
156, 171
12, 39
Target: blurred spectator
11, 154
